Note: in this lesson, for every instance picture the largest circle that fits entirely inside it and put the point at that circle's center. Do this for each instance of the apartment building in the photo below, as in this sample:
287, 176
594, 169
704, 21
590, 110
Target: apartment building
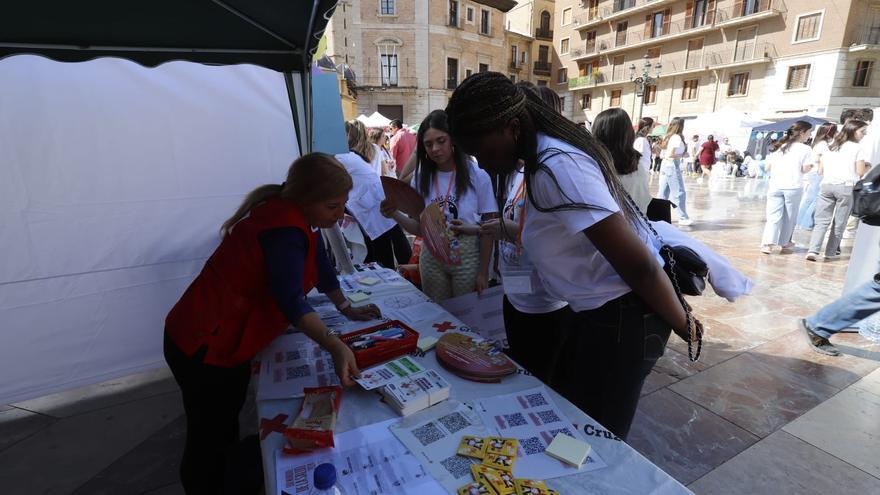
771, 58
529, 28
408, 55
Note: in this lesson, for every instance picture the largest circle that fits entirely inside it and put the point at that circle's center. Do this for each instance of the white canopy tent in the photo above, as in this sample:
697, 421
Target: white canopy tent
115, 176
376, 119
727, 122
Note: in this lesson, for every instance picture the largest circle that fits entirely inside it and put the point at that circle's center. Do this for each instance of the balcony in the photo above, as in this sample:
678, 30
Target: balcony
514, 65
620, 10
542, 68
866, 38
741, 56
761, 9
544, 34
376, 83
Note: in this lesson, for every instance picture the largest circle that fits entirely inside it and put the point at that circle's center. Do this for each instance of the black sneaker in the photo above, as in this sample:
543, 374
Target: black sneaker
818, 343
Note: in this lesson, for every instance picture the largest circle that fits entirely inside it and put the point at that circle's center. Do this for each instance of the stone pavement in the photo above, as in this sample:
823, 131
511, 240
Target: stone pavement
760, 413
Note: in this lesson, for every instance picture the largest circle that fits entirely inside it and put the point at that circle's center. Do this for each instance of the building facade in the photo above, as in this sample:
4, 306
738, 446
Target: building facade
530, 41
771, 58
409, 55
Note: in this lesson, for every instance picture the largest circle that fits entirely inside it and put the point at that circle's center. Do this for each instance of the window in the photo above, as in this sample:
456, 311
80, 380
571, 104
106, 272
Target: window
566, 16
543, 55
738, 85
798, 77
484, 67
808, 27
387, 7
593, 9
696, 17
653, 54
689, 90
468, 72
388, 63
745, 44
469, 15
750, 7
657, 24
545, 21
623, 4
694, 54
522, 56
453, 13
542, 82
391, 111
617, 68
863, 73
512, 78
514, 51
562, 76
485, 22
591, 42
620, 37
563, 46
650, 95
615, 98
586, 101
451, 73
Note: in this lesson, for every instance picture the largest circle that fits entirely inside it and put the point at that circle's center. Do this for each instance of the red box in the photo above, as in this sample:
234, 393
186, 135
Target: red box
383, 351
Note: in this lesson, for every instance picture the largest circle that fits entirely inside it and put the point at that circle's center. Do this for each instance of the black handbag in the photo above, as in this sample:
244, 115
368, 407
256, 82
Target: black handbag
866, 197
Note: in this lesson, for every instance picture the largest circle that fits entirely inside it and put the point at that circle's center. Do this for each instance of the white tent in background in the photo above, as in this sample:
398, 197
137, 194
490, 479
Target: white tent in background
363, 119
725, 123
375, 120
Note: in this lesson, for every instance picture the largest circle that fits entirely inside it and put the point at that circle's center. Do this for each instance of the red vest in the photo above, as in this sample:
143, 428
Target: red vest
228, 307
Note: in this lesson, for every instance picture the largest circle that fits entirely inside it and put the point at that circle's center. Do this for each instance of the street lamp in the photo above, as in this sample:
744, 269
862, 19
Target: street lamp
644, 80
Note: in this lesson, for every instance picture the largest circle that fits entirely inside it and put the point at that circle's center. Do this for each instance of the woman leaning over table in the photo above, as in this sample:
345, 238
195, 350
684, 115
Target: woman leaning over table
249, 291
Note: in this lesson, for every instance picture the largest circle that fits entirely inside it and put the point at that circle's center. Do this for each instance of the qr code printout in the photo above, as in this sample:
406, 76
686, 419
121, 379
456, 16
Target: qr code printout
301, 371
536, 400
458, 466
515, 419
428, 433
532, 445
548, 416
454, 422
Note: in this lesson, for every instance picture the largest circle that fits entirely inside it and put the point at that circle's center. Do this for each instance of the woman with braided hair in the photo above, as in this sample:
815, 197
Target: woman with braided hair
587, 241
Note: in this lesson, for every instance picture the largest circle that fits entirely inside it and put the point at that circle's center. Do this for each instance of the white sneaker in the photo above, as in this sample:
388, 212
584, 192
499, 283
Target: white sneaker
685, 221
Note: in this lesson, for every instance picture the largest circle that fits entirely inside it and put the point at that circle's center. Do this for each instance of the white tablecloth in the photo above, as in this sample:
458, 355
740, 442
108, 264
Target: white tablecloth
627, 471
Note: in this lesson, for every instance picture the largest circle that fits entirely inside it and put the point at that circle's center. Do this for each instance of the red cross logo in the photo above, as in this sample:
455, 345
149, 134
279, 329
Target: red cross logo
269, 425
442, 327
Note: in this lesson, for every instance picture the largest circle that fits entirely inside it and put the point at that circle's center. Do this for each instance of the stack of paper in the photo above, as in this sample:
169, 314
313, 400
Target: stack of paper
569, 450
416, 392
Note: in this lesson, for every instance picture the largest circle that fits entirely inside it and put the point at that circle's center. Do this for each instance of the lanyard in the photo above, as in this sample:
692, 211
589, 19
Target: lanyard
520, 195
448, 188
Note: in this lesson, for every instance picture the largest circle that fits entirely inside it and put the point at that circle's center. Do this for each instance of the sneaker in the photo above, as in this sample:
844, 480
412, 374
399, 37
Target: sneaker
818, 343
766, 249
787, 248
831, 257
812, 256
685, 221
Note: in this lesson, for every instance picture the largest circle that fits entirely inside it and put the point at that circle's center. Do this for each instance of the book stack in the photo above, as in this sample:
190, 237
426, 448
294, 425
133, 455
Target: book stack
473, 358
416, 392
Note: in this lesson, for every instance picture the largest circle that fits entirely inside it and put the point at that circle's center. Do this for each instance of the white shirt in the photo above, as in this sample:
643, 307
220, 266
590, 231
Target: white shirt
366, 195
376, 164
472, 205
786, 169
870, 144
675, 145
570, 266
839, 167
636, 184
642, 145
510, 260
693, 150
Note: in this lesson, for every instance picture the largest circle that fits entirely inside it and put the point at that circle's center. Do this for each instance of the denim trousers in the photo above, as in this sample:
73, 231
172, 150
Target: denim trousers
782, 210
672, 185
847, 310
834, 203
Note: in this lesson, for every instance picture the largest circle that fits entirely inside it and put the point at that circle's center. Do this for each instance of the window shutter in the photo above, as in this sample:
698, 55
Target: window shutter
689, 15
649, 25
667, 17
764, 5
737, 8
710, 12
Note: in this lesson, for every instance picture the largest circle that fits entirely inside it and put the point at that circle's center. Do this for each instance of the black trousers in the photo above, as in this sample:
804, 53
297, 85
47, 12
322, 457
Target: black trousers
388, 247
212, 399
535, 340
606, 357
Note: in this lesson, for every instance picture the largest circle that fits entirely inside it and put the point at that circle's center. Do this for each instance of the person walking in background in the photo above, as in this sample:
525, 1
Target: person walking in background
692, 160
840, 168
788, 160
613, 128
383, 163
671, 180
707, 157
824, 137
403, 143
655, 155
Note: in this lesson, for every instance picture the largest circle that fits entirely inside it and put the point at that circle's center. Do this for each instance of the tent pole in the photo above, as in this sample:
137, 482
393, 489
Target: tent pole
294, 110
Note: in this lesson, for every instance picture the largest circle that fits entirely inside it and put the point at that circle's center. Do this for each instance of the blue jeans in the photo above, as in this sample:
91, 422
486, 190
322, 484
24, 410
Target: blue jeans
672, 184
805, 219
847, 310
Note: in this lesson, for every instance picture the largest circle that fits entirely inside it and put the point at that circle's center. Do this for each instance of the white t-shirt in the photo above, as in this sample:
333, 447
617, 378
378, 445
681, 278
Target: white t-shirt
472, 205
376, 164
366, 195
693, 150
786, 169
839, 167
570, 266
675, 146
871, 142
510, 260
642, 145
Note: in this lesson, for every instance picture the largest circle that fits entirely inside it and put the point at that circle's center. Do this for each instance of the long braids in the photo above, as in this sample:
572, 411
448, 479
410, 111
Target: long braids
487, 101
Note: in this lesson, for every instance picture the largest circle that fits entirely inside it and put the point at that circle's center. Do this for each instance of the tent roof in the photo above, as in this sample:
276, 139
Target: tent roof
277, 34
785, 124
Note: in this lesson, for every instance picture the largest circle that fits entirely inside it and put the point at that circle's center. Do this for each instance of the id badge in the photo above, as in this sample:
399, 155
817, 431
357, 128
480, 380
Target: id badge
517, 281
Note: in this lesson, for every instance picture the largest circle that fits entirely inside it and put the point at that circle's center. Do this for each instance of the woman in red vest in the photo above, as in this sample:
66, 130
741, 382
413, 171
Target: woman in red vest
251, 288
